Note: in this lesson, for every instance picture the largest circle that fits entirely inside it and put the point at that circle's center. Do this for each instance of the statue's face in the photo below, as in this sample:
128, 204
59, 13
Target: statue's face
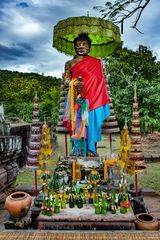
82, 47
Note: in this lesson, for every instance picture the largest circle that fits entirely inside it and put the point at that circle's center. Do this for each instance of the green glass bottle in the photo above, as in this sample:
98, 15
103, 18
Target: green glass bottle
63, 201
122, 209
71, 201
84, 197
90, 196
49, 206
95, 199
113, 195
80, 201
96, 203
108, 193
101, 193
104, 205
119, 199
56, 205
97, 208
44, 206
78, 189
113, 204
63, 185
72, 187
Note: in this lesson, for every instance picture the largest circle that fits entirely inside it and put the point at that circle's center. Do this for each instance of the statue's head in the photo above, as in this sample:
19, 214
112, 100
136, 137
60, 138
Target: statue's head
82, 44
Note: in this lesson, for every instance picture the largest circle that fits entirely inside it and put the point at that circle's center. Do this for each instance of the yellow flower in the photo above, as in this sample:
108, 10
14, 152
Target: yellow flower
49, 161
94, 173
39, 171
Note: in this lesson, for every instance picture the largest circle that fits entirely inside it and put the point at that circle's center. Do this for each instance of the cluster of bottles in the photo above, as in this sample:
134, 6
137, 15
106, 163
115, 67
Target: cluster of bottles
73, 196
54, 201
111, 202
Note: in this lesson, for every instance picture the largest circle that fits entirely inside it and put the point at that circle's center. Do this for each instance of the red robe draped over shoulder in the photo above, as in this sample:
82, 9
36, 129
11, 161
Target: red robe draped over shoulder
90, 69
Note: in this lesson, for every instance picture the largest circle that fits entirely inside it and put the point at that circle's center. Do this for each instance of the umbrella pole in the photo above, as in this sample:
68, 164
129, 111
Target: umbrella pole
136, 183
66, 145
110, 140
35, 183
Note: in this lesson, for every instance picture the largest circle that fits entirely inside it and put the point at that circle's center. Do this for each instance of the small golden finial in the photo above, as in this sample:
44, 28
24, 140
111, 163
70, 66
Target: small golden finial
36, 95
125, 125
135, 91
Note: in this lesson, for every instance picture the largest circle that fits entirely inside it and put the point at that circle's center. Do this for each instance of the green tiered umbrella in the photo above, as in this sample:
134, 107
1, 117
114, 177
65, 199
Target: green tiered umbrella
105, 36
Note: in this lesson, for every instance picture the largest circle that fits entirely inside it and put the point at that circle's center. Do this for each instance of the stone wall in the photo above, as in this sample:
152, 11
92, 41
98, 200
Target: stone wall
12, 160
8, 166
22, 130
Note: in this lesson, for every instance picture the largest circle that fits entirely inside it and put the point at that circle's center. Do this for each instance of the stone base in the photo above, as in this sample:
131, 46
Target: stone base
86, 219
21, 223
43, 225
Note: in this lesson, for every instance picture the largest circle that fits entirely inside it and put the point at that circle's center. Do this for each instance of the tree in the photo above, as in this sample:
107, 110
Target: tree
127, 67
121, 10
18, 89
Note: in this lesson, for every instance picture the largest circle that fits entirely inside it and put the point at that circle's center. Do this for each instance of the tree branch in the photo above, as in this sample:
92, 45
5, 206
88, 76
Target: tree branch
118, 10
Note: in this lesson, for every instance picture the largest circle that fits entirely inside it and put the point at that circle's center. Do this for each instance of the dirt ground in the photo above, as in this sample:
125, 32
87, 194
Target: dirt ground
151, 143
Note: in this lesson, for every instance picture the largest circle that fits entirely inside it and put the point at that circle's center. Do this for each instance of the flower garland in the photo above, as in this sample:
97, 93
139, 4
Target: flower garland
45, 150
72, 96
124, 149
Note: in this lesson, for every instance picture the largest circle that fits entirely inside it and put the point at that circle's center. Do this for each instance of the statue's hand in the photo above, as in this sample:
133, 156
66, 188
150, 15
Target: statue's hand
67, 82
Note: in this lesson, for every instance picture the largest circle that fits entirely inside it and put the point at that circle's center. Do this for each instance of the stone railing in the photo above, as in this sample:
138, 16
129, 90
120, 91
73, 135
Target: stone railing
10, 147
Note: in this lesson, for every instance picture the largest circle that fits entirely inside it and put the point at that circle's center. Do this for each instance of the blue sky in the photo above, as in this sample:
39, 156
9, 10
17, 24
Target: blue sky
26, 32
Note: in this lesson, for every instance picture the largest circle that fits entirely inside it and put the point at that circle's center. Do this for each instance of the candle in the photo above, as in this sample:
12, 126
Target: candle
105, 169
77, 171
73, 170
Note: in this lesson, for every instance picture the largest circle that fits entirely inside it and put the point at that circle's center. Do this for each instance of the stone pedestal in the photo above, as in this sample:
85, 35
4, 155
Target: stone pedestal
86, 219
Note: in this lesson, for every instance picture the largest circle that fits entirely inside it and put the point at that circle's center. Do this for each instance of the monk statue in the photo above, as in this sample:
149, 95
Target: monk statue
88, 98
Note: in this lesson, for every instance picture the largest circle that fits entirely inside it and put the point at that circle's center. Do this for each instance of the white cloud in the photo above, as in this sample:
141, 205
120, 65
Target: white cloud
60, 3
33, 26
22, 24
26, 27
22, 68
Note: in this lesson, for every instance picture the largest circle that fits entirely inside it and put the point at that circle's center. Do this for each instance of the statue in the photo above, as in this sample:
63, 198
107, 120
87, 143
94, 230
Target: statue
87, 105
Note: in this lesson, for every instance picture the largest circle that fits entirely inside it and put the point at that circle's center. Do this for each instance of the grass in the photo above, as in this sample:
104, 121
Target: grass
27, 175
150, 179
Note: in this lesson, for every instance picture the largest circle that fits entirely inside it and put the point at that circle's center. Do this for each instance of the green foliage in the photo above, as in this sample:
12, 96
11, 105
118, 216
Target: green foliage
24, 111
127, 68
18, 90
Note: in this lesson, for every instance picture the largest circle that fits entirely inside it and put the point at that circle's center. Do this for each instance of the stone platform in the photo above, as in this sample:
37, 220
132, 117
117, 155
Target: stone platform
86, 219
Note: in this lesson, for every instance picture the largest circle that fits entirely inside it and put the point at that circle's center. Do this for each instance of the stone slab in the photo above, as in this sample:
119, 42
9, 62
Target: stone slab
85, 218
